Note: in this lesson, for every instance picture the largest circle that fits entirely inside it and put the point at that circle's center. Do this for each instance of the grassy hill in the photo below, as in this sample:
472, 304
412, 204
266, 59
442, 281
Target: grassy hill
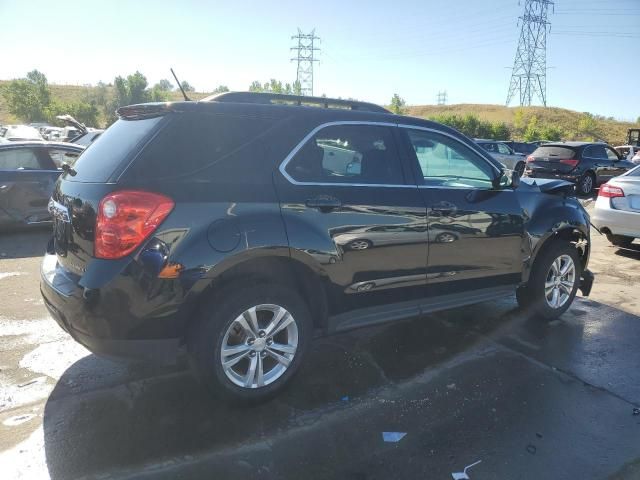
608, 129
567, 121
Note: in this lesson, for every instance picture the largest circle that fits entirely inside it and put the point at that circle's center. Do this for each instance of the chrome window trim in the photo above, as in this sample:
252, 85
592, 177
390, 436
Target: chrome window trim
296, 149
307, 137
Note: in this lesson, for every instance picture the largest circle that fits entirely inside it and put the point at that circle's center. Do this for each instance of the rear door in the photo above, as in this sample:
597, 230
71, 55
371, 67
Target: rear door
476, 231
351, 209
27, 177
602, 165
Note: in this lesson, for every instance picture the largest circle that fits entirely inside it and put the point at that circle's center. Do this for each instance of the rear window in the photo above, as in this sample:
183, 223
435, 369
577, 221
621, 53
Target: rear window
635, 172
554, 152
115, 146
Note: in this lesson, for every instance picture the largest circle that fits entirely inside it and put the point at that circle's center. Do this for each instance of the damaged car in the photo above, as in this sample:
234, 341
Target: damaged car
236, 228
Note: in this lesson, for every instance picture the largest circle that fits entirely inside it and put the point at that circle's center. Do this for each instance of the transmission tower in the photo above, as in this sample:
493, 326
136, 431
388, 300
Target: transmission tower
442, 98
306, 50
529, 74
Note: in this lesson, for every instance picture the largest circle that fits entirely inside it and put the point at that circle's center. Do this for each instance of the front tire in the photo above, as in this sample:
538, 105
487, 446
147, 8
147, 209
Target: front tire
553, 282
249, 342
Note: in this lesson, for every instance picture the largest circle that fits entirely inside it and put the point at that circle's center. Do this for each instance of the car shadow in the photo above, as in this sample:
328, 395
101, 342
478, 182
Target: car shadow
24, 243
632, 251
94, 425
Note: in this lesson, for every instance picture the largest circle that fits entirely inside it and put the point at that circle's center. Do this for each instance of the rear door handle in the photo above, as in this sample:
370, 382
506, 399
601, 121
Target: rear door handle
324, 203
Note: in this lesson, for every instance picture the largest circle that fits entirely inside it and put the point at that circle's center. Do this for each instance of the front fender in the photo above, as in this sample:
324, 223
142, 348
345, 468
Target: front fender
549, 222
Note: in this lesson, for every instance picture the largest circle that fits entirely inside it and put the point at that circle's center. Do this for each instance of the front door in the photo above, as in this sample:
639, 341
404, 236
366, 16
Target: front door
351, 211
476, 231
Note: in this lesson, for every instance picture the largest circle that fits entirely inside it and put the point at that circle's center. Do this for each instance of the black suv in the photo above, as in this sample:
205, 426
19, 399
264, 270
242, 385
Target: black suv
241, 225
588, 165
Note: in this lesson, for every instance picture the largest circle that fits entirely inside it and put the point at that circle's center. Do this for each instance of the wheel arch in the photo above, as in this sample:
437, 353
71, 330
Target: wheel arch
268, 267
552, 222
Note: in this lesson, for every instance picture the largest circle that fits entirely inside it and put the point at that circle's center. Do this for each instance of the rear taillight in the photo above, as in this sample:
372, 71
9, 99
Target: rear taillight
569, 161
530, 159
126, 219
609, 191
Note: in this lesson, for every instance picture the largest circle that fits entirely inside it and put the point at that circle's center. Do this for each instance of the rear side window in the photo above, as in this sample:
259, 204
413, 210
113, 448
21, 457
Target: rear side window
18, 159
358, 154
554, 152
198, 142
594, 151
115, 146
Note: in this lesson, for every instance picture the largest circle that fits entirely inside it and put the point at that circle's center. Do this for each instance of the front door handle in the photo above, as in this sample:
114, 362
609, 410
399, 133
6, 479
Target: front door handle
324, 203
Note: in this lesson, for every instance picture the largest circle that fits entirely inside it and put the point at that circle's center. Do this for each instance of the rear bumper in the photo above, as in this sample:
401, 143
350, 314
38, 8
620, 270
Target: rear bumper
618, 222
82, 316
569, 177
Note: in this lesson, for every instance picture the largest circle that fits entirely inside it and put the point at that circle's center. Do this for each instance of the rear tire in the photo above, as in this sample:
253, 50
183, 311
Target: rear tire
586, 184
619, 240
228, 331
553, 282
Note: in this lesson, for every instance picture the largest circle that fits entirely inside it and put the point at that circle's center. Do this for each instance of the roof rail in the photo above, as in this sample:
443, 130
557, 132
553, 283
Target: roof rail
299, 100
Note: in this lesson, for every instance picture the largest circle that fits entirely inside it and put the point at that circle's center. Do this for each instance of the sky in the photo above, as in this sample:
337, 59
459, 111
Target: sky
369, 50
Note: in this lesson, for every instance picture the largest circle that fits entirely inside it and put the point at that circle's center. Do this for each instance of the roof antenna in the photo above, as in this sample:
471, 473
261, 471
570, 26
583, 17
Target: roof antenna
180, 86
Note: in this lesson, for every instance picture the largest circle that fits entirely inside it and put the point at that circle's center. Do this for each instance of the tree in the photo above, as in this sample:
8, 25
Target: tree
186, 86
397, 104
220, 89
28, 98
500, 131
255, 86
164, 85
587, 125
532, 131
549, 132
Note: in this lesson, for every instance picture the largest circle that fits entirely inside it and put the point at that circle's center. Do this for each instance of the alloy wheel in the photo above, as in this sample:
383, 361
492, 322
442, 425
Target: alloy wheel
587, 184
259, 346
560, 281
359, 245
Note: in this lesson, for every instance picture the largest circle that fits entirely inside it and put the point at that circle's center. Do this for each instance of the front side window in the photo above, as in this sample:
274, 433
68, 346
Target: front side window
355, 154
611, 155
19, 159
447, 162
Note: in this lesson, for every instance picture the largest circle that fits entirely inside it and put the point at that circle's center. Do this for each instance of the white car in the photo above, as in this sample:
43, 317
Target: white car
629, 152
617, 209
20, 133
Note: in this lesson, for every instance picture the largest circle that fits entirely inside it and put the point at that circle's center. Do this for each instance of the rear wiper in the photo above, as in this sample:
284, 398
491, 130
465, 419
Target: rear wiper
66, 168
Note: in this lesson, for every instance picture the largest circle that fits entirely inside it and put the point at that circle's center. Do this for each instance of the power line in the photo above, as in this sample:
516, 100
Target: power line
529, 74
306, 50
442, 98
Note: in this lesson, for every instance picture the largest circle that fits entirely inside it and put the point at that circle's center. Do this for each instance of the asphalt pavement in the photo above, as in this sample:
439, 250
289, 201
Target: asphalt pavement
488, 383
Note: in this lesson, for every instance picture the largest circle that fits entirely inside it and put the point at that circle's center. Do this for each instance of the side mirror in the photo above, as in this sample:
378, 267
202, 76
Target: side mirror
515, 179
507, 180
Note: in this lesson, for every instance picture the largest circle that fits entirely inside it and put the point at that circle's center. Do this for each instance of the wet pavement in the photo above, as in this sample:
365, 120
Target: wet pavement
531, 400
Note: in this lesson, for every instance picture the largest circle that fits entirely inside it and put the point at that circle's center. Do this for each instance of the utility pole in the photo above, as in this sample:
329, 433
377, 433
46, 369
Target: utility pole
442, 98
305, 56
529, 74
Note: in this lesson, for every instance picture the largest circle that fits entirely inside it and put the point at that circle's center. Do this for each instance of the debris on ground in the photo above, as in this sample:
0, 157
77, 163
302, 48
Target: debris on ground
463, 474
393, 437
